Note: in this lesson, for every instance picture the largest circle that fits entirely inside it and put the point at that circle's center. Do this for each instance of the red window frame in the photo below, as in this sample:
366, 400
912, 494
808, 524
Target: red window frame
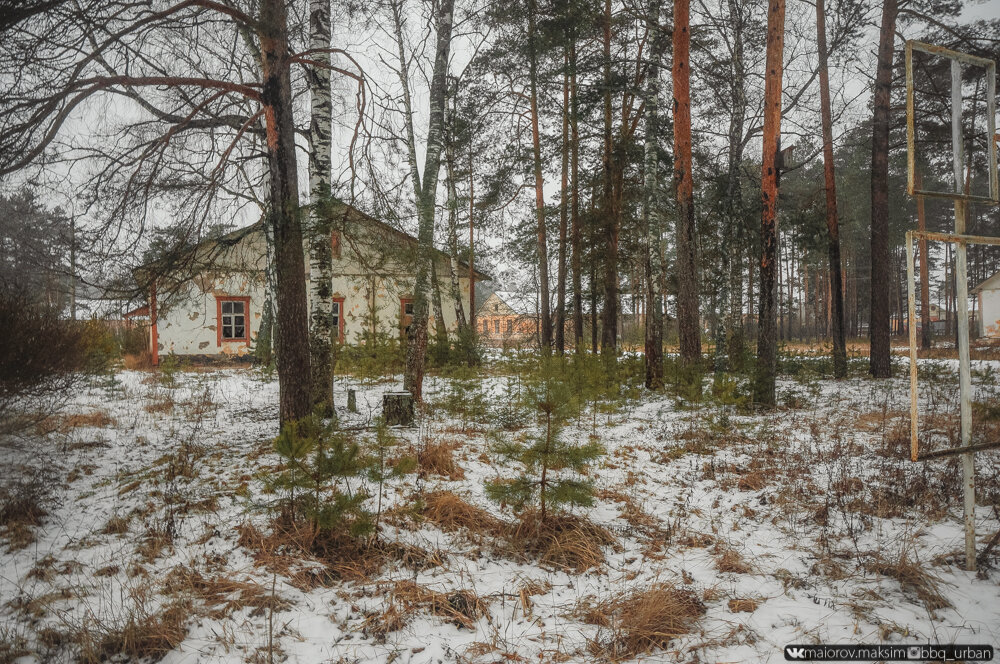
219, 299
405, 319
339, 301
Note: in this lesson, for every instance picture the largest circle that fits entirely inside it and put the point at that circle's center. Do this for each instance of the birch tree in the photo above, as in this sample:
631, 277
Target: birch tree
322, 334
425, 185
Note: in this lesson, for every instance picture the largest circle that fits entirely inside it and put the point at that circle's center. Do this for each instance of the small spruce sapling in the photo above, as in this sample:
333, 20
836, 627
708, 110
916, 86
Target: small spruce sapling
545, 454
319, 461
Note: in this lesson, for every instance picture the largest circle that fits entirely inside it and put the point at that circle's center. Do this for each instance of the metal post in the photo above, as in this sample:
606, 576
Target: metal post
911, 305
964, 361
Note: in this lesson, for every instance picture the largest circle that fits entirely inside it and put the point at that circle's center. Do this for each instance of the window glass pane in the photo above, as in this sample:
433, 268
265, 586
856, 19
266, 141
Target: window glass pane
336, 308
239, 332
227, 307
408, 308
227, 331
238, 307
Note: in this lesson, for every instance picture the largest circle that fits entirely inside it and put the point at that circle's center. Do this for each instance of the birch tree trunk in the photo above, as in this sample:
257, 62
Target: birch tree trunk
688, 317
764, 378
425, 189
292, 343
651, 210
321, 332
878, 328
832, 223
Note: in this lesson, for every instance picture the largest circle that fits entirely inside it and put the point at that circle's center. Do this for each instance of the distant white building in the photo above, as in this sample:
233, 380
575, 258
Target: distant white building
214, 305
988, 305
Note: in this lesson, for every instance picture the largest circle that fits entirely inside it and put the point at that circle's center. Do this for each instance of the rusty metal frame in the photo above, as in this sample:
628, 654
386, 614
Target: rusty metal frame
957, 59
961, 240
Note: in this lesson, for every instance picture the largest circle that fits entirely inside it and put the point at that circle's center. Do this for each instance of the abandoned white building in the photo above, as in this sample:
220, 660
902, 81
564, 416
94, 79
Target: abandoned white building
214, 302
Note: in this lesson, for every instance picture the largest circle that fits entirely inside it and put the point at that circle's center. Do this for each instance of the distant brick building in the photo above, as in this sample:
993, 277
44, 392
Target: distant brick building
507, 319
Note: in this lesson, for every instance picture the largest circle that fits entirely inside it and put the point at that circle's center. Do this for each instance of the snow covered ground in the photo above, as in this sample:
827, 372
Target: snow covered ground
806, 525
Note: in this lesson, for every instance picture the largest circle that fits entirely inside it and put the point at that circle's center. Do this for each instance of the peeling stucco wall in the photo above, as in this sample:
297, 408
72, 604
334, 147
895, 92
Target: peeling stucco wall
188, 324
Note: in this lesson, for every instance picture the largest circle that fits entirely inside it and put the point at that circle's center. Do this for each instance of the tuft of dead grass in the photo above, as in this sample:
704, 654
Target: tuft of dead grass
912, 576
563, 541
729, 560
98, 419
439, 459
21, 511
116, 525
743, 605
452, 513
462, 608
222, 595
137, 636
643, 621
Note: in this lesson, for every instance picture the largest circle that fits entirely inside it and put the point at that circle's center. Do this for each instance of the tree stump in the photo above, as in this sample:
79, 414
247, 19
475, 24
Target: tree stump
397, 408
352, 401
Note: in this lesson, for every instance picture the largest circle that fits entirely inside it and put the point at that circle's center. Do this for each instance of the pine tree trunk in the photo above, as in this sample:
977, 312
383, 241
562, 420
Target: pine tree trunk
321, 332
735, 336
688, 317
294, 375
651, 210
609, 211
878, 328
545, 318
563, 219
832, 223
577, 230
766, 369
454, 288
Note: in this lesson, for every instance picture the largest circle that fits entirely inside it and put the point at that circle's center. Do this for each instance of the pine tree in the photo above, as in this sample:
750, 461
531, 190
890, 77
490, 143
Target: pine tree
544, 454
318, 460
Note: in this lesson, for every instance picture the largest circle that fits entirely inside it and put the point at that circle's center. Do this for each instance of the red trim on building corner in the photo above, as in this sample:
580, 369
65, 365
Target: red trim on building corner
154, 342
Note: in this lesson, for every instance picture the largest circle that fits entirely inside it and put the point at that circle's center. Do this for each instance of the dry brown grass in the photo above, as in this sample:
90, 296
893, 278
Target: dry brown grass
136, 637
98, 419
462, 608
116, 525
912, 576
729, 560
452, 513
562, 541
162, 405
138, 361
221, 595
439, 459
643, 621
21, 511
743, 605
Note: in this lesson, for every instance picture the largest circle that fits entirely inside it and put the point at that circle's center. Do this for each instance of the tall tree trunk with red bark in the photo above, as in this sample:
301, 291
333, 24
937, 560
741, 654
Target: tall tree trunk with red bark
880, 365
689, 325
766, 369
832, 224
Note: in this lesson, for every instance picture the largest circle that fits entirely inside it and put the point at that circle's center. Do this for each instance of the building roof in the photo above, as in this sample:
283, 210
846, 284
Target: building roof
524, 304
990, 283
234, 237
